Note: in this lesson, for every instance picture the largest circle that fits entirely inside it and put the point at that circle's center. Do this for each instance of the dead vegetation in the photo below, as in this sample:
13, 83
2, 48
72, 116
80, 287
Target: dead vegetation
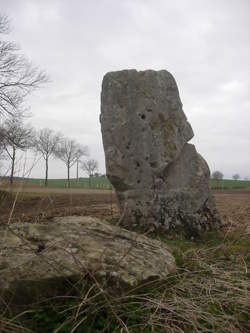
209, 293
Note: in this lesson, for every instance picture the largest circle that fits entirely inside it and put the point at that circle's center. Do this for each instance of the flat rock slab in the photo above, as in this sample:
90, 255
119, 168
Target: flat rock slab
36, 258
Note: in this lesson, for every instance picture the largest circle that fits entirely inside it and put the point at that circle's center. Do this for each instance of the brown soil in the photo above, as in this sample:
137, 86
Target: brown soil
40, 205
234, 207
37, 205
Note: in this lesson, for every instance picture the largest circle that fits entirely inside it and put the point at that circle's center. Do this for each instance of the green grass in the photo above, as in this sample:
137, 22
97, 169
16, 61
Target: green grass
230, 184
94, 182
103, 183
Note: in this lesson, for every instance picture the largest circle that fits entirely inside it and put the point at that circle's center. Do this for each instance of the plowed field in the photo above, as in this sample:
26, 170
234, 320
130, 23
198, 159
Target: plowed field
39, 204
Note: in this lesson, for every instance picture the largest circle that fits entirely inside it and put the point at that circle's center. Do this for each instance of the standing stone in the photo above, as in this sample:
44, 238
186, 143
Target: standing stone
160, 180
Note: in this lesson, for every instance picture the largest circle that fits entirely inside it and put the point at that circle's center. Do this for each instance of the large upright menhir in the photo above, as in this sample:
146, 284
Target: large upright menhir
160, 179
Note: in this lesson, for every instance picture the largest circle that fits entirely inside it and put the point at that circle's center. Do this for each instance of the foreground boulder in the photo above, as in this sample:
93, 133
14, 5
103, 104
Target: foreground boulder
44, 260
161, 181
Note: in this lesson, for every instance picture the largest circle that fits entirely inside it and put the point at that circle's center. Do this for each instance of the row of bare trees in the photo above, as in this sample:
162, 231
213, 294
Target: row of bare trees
49, 143
46, 143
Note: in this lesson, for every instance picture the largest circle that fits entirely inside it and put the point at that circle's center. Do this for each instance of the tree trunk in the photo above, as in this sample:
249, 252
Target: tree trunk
68, 183
89, 181
77, 175
46, 171
12, 165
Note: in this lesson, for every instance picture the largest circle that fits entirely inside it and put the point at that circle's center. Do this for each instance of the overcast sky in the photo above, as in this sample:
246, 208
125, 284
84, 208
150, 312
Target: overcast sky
205, 44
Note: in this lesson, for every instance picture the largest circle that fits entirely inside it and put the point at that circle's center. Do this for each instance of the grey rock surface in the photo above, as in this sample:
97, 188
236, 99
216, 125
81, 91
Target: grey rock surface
160, 179
39, 260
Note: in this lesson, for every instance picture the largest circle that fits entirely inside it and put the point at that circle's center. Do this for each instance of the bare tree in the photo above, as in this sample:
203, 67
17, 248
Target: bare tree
2, 155
4, 24
90, 167
236, 176
69, 151
218, 176
17, 136
82, 151
1, 142
46, 143
17, 75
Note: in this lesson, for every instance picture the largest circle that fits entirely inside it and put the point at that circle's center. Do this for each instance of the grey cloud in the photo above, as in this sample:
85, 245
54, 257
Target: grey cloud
205, 44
